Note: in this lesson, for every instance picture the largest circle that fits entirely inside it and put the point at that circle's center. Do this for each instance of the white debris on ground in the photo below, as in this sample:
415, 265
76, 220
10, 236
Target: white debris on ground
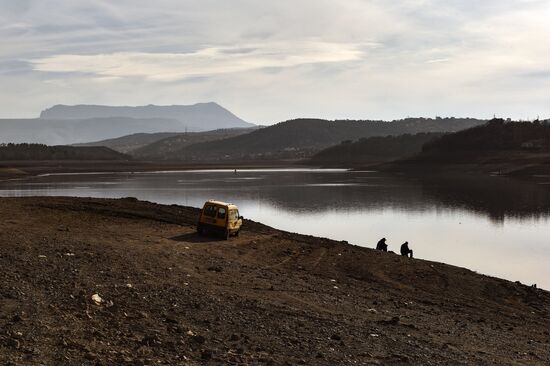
97, 299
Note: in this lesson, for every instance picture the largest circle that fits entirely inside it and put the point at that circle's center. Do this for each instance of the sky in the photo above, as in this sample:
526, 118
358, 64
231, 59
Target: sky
269, 61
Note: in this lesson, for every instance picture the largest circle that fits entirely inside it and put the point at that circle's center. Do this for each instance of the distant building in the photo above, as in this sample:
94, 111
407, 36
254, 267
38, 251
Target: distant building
534, 144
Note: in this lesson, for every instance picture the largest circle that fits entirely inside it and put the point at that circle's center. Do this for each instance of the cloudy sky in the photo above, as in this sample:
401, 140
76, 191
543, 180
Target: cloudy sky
269, 61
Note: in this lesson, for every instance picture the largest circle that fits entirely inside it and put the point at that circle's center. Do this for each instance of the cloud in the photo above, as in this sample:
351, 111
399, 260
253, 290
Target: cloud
203, 62
269, 61
537, 75
438, 60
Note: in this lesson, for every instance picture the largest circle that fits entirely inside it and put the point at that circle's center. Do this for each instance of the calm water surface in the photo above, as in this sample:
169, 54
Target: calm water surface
492, 225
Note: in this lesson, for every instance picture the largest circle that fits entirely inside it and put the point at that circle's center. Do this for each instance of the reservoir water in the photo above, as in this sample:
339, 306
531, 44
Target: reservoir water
493, 225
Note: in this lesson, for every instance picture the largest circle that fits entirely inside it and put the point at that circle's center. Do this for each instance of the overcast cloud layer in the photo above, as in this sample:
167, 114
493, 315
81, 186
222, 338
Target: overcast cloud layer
271, 61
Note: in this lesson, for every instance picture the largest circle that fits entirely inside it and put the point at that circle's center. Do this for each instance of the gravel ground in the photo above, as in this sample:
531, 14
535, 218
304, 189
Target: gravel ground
104, 282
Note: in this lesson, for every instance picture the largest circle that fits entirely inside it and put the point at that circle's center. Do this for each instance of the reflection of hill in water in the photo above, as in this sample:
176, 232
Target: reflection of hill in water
496, 197
318, 192
349, 198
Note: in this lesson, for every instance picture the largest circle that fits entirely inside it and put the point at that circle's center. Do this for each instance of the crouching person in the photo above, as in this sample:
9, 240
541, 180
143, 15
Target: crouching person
382, 245
405, 250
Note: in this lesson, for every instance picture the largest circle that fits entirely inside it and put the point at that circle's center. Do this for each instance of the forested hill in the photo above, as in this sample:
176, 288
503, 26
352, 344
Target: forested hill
128, 143
44, 152
495, 136
504, 147
373, 149
303, 137
162, 148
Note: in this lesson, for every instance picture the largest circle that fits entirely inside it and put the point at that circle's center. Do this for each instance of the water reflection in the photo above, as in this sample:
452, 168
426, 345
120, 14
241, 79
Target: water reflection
498, 197
494, 225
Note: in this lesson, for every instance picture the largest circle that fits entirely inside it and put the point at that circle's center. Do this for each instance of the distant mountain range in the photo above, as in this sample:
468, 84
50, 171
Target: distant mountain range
83, 123
65, 132
301, 138
196, 117
160, 132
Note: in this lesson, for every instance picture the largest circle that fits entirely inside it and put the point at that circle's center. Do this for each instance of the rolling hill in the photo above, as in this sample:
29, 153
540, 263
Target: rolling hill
495, 136
521, 148
128, 143
165, 147
302, 138
373, 149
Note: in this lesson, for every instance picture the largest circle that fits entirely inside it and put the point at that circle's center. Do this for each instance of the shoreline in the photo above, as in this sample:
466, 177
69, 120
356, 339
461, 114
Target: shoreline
70, 177
22, 169
409, 166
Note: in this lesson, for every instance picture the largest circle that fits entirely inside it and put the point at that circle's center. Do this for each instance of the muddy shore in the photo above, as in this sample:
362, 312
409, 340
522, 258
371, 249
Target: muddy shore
526, 169
166, 296
22, 169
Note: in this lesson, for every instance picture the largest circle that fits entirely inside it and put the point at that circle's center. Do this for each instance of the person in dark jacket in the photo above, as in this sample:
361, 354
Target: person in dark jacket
405, 251
382, 245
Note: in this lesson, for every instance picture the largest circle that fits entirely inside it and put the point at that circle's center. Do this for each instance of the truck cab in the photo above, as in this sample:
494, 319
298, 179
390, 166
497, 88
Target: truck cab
220, 218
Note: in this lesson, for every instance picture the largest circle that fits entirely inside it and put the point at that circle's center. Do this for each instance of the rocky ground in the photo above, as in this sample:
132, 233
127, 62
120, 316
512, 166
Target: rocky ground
104, 282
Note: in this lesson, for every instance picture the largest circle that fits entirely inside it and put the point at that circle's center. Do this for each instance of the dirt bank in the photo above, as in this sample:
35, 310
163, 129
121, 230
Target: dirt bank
168, 296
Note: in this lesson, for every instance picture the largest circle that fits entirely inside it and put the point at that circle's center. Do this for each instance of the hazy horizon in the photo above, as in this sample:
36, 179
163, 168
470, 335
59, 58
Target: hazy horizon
274, 122
270, 62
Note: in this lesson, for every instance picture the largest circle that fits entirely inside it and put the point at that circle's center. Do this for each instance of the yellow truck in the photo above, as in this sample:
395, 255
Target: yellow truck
221, 218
